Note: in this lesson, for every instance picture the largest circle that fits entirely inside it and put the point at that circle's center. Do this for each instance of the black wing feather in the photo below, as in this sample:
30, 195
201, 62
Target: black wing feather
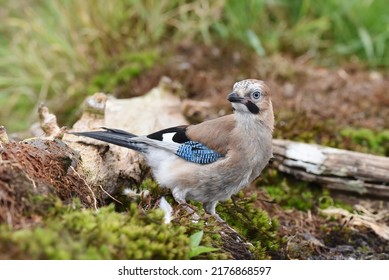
179, 136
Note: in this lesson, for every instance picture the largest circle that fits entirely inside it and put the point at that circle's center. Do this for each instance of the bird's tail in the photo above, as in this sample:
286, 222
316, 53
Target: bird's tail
113, 136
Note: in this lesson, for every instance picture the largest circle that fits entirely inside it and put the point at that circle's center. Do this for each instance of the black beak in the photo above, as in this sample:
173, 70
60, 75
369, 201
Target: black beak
234, 97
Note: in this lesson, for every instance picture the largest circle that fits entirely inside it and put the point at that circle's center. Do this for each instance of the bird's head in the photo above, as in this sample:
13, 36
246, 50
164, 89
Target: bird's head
252, 97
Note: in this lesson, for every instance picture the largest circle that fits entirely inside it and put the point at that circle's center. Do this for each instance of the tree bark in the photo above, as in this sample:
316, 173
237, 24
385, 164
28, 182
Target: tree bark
334, 168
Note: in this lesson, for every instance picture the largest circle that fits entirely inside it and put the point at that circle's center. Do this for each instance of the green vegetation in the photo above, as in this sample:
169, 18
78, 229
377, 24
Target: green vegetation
252, 223
139, 232
60, 51
195, 247
205, 239
75, 233
303, 128
293, 194
366, 140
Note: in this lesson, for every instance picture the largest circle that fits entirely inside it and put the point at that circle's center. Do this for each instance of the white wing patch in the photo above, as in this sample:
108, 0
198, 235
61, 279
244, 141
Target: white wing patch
168, 137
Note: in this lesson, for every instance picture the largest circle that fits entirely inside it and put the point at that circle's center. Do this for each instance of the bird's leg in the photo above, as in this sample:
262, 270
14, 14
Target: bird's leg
209, 208
179, 196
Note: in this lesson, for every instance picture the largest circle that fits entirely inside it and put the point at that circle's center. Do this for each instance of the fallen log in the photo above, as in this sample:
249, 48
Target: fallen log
333, 168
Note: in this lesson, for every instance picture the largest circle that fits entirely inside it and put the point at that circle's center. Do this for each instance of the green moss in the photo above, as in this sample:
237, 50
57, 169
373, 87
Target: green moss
325, 201
152, 186
294, 194
366, 140
74, 233
288, 192
147, 194
302, 128
252, 223
211, 229
337, 234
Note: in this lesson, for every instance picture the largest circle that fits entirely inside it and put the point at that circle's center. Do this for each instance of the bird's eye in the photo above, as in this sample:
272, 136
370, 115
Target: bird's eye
256, 95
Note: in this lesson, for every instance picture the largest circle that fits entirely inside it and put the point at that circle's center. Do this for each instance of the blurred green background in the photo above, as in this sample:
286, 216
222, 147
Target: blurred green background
60, 51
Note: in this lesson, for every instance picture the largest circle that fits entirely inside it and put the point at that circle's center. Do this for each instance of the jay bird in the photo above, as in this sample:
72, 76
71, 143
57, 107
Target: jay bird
213, 160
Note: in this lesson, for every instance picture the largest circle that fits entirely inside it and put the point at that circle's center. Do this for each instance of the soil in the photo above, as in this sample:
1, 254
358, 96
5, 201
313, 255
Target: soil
310, 235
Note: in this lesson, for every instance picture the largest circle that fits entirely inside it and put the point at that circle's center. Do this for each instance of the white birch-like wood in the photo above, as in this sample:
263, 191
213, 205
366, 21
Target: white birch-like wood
334, 168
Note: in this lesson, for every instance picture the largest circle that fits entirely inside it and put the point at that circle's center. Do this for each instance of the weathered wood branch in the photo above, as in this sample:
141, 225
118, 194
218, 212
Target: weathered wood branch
334, 168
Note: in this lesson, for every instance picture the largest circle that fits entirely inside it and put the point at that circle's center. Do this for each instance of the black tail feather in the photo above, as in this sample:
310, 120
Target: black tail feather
113, 136
119, 131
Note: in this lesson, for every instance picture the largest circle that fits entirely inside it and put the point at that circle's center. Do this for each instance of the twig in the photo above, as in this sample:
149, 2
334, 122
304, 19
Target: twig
110, 195
90, 189
32, 181
3, 136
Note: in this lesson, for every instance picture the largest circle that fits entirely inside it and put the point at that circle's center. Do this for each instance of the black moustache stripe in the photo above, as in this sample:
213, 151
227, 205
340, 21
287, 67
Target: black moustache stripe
252, 107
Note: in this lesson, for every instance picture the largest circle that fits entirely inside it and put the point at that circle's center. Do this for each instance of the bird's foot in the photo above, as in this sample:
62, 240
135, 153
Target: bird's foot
191, 211
225, 226
217, 218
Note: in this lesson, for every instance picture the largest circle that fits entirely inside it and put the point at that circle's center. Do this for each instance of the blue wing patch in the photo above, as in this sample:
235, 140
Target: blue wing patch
197, 153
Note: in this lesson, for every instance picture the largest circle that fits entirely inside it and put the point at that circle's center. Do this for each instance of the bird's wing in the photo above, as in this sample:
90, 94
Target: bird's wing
215, 134
176, 140
202, 143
